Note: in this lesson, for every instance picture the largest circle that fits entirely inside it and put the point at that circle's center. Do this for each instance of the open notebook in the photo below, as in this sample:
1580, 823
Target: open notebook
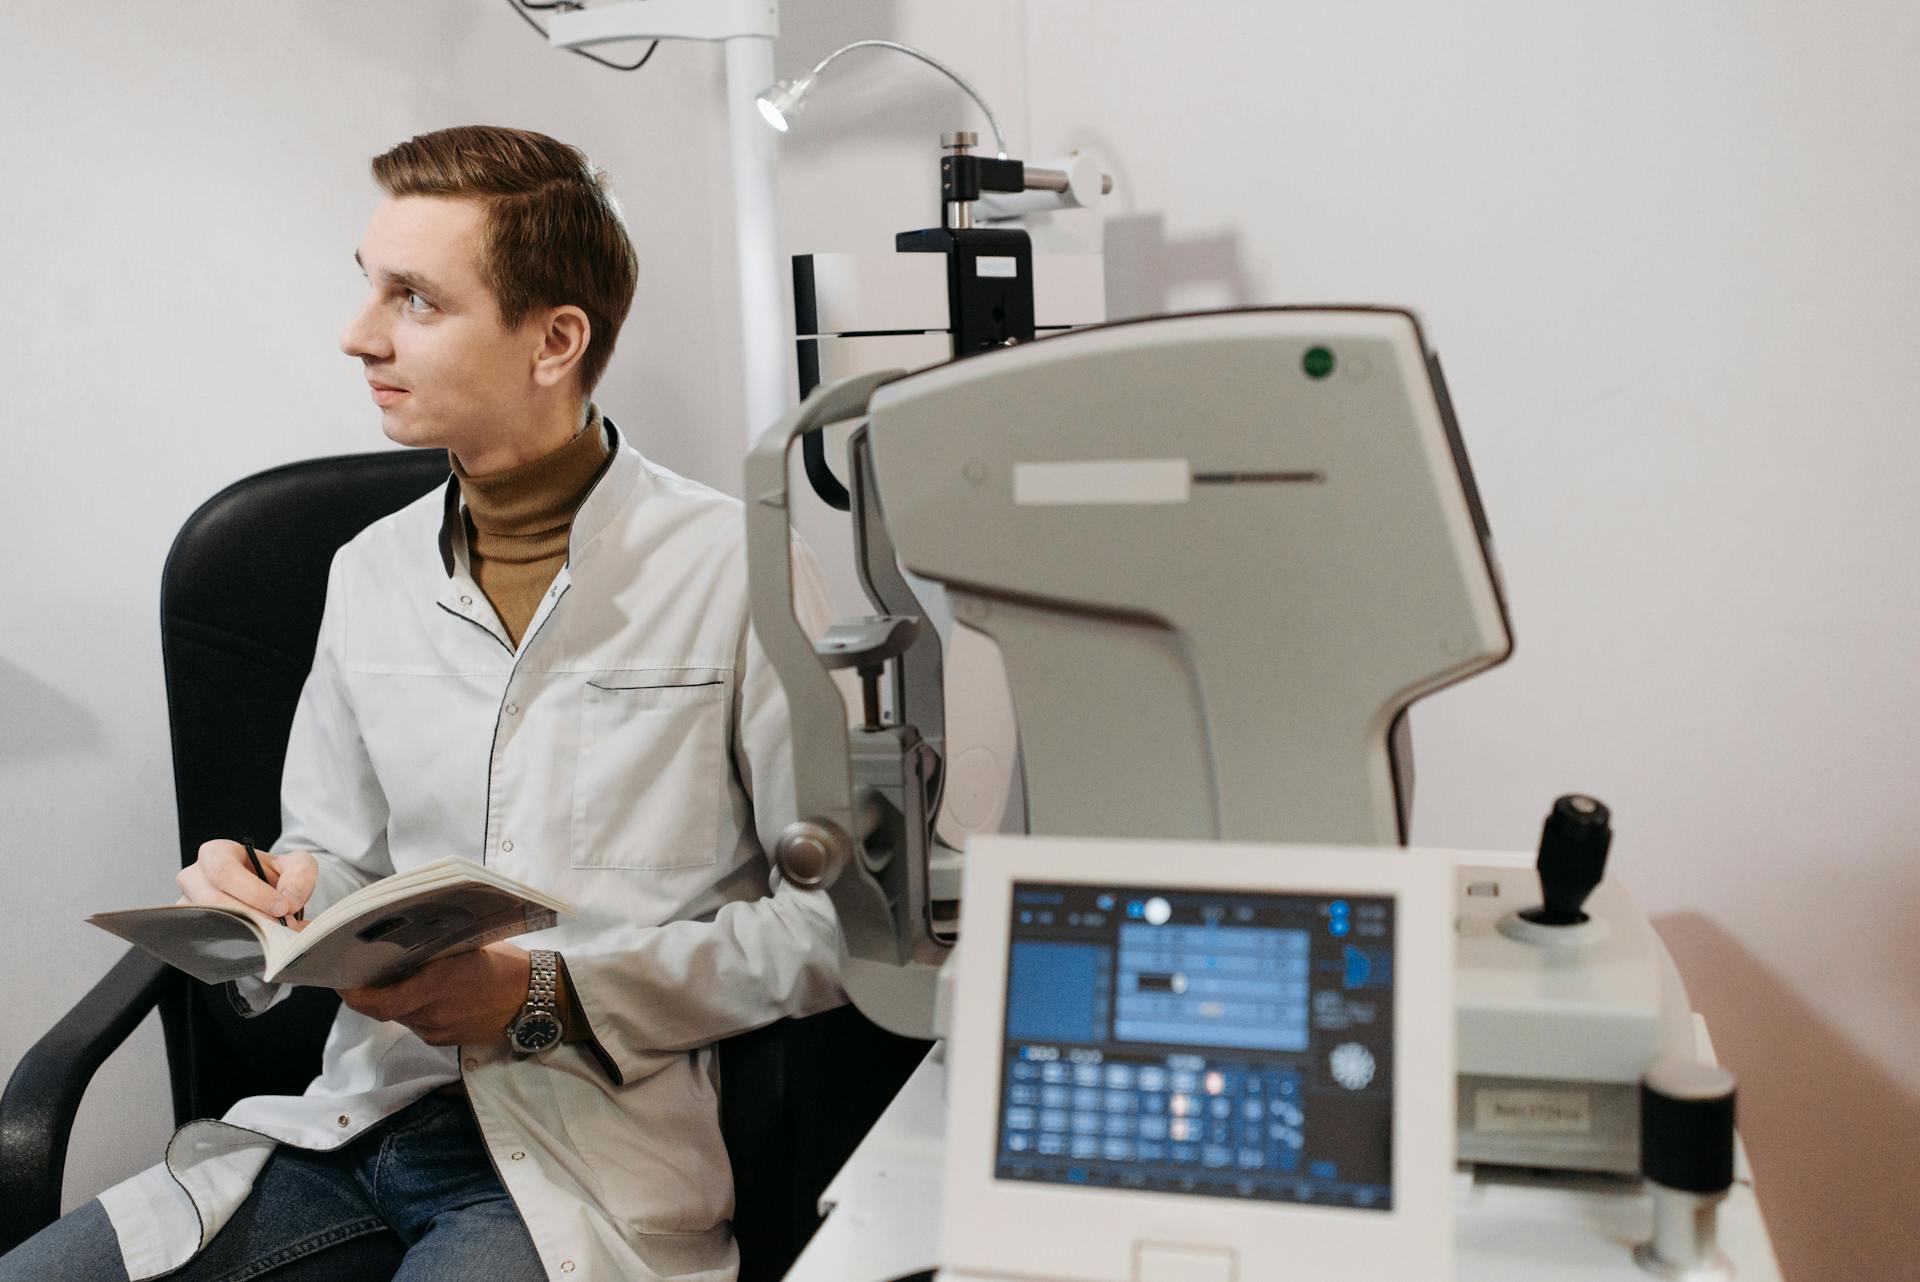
377, 935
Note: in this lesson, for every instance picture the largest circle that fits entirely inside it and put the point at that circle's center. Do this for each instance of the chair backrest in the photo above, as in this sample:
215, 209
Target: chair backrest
240, 605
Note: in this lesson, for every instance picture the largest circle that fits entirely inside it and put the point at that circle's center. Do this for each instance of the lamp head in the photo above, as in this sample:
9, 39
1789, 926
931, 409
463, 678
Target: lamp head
782, 100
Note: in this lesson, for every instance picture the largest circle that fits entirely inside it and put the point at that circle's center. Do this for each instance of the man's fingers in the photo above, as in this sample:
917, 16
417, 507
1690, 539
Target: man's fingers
374, 1003
293, 875
393, 1002
366, 1001
229, 871
196, 889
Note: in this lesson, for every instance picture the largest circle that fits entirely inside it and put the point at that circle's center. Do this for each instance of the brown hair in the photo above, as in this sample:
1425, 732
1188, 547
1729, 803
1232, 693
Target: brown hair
554, 233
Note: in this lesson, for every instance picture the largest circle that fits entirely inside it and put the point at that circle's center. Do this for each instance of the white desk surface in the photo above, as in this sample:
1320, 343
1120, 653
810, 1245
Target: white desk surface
883, 1219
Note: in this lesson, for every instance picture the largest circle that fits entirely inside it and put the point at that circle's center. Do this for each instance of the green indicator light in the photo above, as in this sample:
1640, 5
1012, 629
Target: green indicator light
1318, 362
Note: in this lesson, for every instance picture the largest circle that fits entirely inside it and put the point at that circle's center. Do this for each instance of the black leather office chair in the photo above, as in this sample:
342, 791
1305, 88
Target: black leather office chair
240, 605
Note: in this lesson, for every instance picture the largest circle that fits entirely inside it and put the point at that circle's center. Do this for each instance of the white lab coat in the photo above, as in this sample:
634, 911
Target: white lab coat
633, 758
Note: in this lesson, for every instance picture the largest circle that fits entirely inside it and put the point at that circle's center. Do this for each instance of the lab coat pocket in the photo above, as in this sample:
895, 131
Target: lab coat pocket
651, 779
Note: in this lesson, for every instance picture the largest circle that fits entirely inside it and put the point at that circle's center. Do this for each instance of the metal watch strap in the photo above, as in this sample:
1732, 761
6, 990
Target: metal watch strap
543, 980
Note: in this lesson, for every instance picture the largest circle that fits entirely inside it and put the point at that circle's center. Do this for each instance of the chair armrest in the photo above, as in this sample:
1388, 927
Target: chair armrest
43, 1096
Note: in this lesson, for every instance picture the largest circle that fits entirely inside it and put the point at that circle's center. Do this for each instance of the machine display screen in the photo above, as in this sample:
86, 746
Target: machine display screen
1215, 1043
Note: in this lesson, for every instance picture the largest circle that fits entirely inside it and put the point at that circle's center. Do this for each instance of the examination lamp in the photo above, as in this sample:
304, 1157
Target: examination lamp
781, 101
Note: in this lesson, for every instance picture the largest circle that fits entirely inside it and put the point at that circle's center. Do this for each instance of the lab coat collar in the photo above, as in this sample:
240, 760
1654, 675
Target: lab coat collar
608, 496
604, 500
462, 596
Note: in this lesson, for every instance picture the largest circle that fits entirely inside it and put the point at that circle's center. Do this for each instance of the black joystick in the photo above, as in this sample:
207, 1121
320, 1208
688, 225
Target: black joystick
1573, 858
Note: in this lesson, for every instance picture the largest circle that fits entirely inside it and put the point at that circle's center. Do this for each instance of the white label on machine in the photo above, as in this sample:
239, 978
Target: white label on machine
1008, 267
1532, 1112
1159, 480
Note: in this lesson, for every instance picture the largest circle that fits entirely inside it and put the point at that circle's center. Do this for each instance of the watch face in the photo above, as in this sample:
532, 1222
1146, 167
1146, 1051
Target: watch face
534, 1031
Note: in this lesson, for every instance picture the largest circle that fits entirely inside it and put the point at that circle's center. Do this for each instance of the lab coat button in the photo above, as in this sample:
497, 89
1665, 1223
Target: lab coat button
518, 1156
566, 1266
466, 600
344, 1119
513, 709
507, 846
472, 1063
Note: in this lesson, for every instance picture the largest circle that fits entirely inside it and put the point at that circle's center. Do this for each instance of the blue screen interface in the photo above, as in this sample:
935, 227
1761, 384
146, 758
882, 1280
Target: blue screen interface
1217, 1043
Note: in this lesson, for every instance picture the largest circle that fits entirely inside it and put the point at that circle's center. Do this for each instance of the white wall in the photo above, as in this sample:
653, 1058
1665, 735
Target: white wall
1667, 254
1664, 249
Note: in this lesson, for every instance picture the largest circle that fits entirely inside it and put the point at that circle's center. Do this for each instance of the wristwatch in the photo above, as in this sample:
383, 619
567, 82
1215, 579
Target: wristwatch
537, 1027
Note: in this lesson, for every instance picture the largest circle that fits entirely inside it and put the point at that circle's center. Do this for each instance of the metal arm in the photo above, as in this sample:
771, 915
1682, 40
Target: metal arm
999, 138
823, 786
919, 684
863, 807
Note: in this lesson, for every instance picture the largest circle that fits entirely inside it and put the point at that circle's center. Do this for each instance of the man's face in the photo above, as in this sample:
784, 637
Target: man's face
443, 368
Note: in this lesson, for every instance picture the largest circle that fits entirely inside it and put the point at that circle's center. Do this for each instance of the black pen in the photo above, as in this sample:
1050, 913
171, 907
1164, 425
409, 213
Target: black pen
258, 871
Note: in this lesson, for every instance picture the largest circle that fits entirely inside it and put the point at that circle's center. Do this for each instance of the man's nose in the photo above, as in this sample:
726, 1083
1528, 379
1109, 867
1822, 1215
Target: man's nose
364, 337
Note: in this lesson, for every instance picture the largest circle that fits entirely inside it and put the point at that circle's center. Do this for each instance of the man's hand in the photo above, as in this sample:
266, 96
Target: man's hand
223, 875
469, 999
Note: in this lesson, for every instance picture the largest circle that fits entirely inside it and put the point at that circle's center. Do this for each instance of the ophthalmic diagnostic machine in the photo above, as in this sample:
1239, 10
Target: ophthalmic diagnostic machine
1205, 1017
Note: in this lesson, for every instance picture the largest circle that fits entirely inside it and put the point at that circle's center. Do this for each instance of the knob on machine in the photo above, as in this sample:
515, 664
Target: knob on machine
1573, 858
1686, 1156
1572, 861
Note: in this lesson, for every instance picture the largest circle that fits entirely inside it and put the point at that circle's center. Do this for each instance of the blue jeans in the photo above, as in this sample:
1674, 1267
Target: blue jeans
414, 1199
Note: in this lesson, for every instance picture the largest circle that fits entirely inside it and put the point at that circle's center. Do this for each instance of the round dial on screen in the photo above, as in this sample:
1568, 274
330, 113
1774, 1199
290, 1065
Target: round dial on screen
1352, 1065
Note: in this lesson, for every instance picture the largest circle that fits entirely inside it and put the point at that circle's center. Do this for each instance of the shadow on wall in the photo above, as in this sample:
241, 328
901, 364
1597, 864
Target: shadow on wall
1149, 275
1832, 1138
39, 721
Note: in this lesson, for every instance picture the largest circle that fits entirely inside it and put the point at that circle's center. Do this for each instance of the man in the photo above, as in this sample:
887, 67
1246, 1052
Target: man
547, 667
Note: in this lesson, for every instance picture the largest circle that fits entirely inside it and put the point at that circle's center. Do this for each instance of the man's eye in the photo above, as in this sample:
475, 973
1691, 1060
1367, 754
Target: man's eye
416, 302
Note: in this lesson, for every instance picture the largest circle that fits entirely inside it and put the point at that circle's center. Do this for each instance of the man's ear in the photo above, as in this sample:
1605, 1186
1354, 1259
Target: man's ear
563, 343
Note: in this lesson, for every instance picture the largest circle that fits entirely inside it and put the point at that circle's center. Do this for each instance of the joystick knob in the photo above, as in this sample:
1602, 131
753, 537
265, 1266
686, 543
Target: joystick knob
1686, 1155
1573, 858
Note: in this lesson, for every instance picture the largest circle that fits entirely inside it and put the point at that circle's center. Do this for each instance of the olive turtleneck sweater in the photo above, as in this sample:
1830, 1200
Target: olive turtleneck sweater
518, 521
